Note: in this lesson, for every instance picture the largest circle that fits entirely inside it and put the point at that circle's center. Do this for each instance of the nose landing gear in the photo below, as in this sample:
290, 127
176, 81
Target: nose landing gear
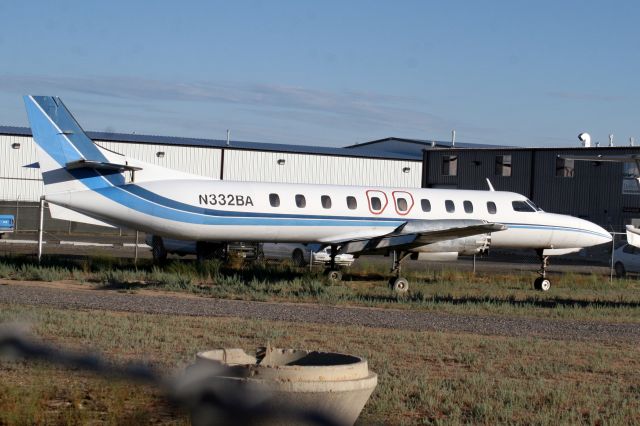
398, 284
542, 283
333, 274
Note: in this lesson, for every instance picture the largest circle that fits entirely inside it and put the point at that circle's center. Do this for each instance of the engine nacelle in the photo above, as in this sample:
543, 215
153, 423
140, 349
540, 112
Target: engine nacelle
474, 244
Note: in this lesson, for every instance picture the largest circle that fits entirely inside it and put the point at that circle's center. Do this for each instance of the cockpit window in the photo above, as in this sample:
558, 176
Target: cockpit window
532, 204
522, 206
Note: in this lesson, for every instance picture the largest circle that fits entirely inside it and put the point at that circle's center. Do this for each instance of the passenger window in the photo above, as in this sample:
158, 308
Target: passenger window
376, 204
491, 207
451, 208
352, 203
274, 199
426, 205
402, 205
326, 201
468, 207
301, 202
522, 206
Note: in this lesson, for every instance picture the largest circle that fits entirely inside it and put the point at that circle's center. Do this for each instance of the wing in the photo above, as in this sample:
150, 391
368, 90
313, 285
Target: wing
420, 233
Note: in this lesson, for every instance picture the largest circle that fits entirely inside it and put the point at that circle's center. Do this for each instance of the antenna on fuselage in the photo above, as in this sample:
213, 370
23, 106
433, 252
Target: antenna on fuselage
491, 188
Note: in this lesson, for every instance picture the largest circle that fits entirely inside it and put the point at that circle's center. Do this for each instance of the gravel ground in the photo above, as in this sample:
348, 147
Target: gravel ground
370, 317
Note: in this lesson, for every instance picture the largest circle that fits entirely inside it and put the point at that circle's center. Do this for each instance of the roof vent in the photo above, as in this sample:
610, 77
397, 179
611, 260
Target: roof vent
585, 138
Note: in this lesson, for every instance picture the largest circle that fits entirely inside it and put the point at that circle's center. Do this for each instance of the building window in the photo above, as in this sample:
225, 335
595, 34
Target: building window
564, 167
402, 205
468, 207
630, 184
352, 203
426, 205
503, 165
326, 201
451, 208
450, 165
274, 200
301, 202
491, 207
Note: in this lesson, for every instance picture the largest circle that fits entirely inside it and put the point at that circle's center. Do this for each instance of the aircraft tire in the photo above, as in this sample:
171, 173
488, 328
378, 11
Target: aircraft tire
298, 258
399, 285
620, 271
158, 250
542, 284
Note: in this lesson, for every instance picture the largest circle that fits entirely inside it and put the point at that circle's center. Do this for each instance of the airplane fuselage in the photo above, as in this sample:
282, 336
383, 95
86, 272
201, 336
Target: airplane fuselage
209, 210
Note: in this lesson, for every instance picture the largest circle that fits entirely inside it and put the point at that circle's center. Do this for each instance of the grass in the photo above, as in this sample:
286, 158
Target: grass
573, 296
424, 377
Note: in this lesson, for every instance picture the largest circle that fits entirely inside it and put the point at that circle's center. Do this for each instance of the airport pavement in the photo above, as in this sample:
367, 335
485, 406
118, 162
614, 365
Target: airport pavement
12, 292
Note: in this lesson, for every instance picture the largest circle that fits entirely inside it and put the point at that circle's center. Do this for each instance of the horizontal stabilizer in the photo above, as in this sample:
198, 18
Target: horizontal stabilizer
100, 165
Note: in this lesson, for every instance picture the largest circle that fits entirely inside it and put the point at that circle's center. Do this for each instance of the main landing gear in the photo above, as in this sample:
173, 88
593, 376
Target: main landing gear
332, 272
398, 284
542, 283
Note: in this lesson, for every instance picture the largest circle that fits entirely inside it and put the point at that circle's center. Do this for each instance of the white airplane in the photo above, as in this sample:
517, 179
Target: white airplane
87, 183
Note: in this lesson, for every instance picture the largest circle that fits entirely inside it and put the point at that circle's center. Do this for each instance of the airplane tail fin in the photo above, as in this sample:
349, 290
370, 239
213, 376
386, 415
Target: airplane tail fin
65, 150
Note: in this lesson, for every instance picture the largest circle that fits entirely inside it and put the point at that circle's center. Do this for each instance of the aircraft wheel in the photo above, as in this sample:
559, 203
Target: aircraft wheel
158, 250
334, 275
399, 285
542, 284
620, 271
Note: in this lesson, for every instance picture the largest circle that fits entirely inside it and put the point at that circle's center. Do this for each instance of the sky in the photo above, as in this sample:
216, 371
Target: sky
330, 73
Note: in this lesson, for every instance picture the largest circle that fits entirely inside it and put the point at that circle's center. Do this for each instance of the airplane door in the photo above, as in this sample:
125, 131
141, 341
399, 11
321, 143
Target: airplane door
377, 201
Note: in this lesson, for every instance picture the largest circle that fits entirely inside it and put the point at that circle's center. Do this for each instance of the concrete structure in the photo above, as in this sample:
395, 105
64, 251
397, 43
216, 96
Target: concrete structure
337, 385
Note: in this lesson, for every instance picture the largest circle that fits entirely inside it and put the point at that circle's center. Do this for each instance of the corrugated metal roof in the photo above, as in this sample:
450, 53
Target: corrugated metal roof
218, 143
425, 144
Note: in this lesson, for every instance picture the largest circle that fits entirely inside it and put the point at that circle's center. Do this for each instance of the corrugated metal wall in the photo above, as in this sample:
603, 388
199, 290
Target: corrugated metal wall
594, 192
18, 181
191, 159
302, 168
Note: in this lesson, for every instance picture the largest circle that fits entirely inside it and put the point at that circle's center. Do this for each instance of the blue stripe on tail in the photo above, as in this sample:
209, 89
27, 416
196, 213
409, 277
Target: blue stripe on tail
56, 131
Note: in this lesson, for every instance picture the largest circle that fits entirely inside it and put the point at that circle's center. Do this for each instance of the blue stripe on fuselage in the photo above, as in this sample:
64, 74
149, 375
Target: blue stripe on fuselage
554, 228
175, 211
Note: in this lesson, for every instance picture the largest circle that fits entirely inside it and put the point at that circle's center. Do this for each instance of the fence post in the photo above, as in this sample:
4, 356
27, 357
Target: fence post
613, 247
17, 213
135, 260
40, 229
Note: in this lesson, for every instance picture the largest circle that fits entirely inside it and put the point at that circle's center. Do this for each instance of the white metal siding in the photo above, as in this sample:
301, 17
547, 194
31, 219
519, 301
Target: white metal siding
303, 168
18, 181
196, 160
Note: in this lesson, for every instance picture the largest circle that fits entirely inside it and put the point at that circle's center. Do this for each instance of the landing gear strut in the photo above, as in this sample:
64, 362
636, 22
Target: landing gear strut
398, 284
333, 274
542, 283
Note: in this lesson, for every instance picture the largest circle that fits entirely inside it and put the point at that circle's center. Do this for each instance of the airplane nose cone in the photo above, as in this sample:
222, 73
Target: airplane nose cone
599, 235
